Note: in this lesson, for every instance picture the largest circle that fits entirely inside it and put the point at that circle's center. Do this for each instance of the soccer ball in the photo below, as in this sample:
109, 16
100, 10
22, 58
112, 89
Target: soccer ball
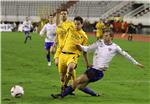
17, 91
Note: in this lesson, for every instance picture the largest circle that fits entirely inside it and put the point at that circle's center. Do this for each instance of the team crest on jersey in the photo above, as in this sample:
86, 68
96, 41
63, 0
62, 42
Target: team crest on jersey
109, 49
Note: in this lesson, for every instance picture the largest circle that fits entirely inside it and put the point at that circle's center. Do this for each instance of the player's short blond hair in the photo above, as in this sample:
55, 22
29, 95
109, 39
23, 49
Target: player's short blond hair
110, 31
64, 9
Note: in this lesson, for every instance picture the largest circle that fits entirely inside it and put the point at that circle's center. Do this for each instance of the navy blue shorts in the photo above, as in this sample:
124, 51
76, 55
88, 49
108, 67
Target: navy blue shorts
26, 33
94, 74
48, 45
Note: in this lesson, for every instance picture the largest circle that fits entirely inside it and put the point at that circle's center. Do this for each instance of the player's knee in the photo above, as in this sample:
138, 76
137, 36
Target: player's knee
71, 70
52, 50
70, 73
71, 66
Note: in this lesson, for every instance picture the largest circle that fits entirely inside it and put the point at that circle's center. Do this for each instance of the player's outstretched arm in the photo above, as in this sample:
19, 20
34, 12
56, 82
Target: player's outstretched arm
140, 65
58, 17
86, 59
130, 58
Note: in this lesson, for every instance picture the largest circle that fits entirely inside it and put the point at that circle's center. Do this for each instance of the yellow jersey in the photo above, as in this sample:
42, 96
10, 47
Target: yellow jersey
72, 38
61, 31
99, 27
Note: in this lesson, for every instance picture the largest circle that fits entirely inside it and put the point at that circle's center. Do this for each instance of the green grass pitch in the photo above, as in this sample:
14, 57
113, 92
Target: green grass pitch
26, 65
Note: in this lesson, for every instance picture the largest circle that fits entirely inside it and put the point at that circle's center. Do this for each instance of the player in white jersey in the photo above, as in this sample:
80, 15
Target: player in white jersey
27, 25
105, 50
49, 29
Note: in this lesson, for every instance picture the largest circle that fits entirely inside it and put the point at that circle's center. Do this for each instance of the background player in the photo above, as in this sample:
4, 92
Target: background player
49, 29
131, 30
27, 25
99, 26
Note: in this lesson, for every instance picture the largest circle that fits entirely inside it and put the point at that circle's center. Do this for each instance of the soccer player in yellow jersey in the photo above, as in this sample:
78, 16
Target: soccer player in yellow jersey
70, 53
61, 31
99, 31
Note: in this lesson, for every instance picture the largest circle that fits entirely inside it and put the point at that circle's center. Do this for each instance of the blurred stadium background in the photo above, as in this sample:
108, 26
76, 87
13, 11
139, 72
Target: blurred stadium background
13, 12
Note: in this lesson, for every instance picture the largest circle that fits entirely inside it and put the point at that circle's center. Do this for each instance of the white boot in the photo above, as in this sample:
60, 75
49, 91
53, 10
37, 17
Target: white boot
49, 63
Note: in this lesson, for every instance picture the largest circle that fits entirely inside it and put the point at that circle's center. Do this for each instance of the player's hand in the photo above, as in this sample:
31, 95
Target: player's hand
79, 47
77, 43
52, 50
140, 65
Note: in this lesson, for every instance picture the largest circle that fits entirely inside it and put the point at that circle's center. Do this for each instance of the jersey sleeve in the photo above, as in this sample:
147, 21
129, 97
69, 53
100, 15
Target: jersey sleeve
126, 55
90, 47
43, 30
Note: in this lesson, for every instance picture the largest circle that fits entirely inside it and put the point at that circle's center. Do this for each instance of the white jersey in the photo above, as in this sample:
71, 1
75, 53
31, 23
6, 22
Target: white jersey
50, 30
104, 54
27, 25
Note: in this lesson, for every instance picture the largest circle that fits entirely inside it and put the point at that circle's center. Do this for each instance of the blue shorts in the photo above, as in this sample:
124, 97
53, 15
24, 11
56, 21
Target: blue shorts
48, 45
26, 33
94, 74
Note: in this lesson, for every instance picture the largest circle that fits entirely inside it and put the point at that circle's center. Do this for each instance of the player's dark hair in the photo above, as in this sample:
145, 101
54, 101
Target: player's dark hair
78, 18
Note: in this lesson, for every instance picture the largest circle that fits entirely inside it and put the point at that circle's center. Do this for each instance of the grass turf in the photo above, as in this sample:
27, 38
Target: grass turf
26, 65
